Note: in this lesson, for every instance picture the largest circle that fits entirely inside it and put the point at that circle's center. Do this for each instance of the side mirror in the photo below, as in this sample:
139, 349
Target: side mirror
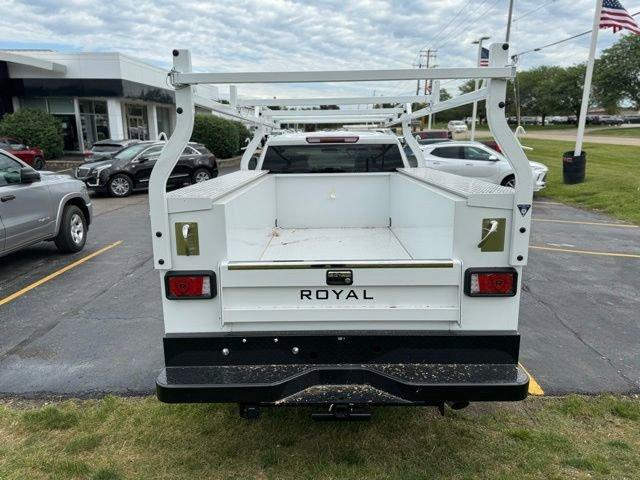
29, 175
493, 158
142, 159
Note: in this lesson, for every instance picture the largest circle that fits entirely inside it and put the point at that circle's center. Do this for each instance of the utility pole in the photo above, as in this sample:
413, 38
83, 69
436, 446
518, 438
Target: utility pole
426, 59
474, 114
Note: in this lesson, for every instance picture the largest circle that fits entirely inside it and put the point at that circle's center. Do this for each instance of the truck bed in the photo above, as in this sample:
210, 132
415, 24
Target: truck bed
334, 244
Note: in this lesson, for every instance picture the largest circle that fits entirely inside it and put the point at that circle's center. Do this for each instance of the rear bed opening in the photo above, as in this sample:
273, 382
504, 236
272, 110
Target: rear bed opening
371, 216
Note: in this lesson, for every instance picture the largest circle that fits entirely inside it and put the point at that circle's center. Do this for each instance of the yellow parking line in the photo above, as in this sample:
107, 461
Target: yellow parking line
536, 202
585, 252
53, 275
601, 224
534, 386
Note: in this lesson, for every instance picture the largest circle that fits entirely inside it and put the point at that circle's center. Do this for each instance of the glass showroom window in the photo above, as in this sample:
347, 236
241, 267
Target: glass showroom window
137, 122
94, 120
164, 120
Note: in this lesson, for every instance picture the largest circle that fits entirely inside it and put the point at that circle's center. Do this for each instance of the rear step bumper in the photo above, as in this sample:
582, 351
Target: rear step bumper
375, 384
408, 368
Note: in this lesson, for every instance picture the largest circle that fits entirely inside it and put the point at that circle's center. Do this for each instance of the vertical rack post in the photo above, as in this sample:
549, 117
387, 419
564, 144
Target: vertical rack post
167, 160
523, 195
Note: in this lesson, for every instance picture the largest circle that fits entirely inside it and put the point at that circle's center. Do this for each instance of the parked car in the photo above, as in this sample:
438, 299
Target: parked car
559, 120
527, 120
106, 149
632, 119
38, 206
474, 159
130, 168
411, 158
492, 144
457, 126
427, 136
32, 156
610, 120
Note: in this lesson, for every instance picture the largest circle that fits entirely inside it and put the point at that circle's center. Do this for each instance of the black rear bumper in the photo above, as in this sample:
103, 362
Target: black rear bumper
405, 368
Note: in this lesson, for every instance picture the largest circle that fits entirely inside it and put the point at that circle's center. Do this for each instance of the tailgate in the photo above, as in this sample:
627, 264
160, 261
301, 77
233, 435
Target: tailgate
373, 291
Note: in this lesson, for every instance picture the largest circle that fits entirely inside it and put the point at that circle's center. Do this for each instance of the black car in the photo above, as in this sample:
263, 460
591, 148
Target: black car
106, 148
130, 168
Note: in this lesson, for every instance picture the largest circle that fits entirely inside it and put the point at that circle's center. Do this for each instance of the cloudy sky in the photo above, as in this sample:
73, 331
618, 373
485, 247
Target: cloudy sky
250, 35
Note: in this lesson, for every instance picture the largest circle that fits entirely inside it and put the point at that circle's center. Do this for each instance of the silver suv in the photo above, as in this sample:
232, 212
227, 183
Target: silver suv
37, 206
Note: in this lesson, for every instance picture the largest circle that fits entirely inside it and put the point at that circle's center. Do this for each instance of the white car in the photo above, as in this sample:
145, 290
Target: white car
457, 126
474, 159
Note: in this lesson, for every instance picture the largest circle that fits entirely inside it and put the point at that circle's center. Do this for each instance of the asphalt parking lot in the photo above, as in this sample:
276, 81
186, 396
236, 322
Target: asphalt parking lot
95, 327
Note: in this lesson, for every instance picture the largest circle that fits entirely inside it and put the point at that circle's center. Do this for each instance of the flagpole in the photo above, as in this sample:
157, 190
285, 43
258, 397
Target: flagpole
587, 79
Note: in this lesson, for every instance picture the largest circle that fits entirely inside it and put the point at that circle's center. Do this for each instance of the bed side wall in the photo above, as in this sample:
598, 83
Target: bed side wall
250, 215
422, 218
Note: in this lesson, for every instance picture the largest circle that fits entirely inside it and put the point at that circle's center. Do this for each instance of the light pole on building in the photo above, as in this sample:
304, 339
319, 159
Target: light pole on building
475, 104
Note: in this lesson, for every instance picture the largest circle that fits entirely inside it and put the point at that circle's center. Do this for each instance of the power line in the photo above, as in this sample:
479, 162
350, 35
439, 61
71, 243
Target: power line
449, 23
519, 54
470, 21
533, 10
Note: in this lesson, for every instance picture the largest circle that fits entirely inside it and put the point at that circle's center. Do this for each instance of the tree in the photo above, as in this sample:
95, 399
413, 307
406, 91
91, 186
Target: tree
568, 89
617, 74
538, 91
36, 128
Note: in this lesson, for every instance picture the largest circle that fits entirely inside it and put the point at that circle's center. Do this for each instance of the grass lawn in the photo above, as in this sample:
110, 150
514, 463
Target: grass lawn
115, 438
631, 132
612, 183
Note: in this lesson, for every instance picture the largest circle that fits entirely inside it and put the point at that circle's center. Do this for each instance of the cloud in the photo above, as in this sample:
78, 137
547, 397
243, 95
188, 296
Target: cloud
252, 35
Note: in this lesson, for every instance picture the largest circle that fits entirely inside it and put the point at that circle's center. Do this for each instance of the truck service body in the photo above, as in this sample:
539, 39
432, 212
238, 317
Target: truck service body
335, 274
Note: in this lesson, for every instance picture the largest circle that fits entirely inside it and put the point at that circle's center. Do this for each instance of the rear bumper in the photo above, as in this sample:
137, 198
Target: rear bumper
360, 368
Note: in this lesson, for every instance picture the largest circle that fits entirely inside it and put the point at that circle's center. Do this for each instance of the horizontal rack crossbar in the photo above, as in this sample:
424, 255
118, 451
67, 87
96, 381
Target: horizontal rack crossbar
178, 78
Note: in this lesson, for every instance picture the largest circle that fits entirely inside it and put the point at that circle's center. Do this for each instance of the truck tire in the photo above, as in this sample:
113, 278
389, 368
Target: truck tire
120, 185
73, 230
509, 181
38, 163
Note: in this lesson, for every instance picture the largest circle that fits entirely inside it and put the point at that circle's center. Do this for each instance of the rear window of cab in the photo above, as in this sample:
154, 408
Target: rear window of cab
332, 158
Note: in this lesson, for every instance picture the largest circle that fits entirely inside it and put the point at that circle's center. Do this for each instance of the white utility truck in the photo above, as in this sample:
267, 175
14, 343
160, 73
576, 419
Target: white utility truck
334, 274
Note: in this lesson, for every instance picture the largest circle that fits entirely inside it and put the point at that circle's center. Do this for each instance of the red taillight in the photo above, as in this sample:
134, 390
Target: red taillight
87, 153
332, 139
487, 282
183, 285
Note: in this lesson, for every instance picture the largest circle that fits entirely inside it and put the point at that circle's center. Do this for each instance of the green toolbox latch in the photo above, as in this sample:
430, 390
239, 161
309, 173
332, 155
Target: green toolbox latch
187, 240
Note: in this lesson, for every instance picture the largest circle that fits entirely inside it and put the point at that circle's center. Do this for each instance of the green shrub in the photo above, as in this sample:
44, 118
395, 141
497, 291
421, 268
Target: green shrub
243, 134
36, 128
217, 134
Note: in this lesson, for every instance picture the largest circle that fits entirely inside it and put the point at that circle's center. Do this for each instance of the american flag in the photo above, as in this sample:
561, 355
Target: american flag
614, 15
484, 57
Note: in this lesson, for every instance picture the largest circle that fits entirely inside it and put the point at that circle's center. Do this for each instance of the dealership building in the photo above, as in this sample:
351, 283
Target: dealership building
94, 95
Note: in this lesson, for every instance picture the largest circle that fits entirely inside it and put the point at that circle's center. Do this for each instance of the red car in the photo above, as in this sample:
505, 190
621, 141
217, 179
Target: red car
31, 155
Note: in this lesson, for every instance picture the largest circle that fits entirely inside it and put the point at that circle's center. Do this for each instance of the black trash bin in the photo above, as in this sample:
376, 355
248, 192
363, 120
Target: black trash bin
573, 167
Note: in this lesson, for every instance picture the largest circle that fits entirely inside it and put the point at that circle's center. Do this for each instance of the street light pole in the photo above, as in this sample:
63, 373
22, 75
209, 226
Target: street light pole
510, 16
477, 84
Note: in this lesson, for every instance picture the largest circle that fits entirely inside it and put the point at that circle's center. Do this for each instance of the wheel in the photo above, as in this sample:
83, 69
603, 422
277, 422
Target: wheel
120, 185
510, 181
201, 175
38, 163
73, 230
